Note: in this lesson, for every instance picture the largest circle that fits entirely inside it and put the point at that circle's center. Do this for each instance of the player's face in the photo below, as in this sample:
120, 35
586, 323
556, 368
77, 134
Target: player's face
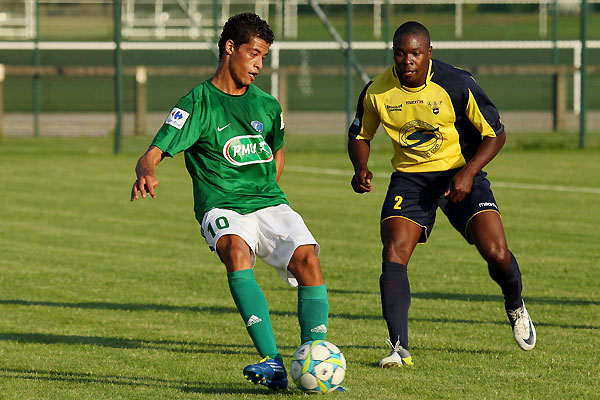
411, 56
246, 61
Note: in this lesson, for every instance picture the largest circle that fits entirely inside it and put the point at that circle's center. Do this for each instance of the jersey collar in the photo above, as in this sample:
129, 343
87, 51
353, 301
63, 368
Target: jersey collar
222, 93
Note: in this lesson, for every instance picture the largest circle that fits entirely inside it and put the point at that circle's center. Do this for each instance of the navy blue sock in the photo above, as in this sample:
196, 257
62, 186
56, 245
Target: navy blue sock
395, 301
510, 282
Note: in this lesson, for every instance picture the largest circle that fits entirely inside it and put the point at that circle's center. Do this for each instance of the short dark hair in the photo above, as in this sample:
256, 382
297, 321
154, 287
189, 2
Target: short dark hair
241, 28
412, 28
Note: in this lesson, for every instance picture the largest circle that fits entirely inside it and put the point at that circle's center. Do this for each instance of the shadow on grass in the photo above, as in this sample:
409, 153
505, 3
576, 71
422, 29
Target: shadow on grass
176, 346
233, 310
136, 381
104, 305
473, 297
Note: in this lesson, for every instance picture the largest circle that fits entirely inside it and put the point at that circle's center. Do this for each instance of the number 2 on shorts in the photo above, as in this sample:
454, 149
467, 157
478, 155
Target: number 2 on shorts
220, 223
398, 202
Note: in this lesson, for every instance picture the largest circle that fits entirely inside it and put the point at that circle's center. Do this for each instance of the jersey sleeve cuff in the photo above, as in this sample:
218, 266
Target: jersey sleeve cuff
500, 131
163, 148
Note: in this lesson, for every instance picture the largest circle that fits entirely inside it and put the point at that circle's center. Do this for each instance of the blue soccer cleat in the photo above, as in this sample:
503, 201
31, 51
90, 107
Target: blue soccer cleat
268, 372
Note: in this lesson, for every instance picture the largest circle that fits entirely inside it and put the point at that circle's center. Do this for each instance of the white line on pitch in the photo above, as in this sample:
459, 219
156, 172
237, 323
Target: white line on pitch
510, 185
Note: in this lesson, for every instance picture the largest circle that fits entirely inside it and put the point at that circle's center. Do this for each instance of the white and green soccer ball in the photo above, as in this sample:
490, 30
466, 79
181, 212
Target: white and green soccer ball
318, 367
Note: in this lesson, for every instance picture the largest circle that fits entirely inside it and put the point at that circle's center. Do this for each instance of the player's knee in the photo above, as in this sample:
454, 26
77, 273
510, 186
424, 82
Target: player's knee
233, 253
306, 263
392, 251
305, 266
497, 257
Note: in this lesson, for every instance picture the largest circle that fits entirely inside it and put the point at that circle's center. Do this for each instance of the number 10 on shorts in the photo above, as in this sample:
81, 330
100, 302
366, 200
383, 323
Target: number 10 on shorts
220, 223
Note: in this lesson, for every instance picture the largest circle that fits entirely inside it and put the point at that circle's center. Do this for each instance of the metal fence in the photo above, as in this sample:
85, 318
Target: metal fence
75, 67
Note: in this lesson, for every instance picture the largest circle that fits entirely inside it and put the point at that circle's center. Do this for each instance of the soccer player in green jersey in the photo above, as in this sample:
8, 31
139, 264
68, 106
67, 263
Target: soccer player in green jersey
444, 130
231, 133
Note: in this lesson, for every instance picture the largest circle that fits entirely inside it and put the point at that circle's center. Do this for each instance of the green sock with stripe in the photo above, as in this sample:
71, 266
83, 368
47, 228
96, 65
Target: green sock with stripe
313, 312
252, 305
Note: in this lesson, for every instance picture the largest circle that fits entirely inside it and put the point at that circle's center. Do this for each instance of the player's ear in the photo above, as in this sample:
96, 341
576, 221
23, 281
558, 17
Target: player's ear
229, 47
430, 52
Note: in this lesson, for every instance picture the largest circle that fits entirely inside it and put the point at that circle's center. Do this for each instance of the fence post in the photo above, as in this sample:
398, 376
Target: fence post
283, 92
349, 55
118, 75
2, 75
36, 77
583, 82
141, 79
560, 100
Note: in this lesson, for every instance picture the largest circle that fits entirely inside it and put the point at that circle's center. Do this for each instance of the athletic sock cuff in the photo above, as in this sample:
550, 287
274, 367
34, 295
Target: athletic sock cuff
312, 292
242, 274
388, 266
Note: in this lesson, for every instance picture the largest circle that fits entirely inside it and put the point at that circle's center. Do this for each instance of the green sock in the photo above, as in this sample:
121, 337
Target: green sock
253, 308
313, 311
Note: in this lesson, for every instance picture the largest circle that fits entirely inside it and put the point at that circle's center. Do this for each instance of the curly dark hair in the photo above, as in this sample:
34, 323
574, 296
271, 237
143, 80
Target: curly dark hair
241, 28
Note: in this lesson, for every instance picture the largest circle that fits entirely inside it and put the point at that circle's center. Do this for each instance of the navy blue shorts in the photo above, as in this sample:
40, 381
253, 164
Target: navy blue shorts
417, 195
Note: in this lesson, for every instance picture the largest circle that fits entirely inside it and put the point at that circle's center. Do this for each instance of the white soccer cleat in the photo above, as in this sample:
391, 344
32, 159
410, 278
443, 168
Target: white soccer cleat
398, 357
523, 329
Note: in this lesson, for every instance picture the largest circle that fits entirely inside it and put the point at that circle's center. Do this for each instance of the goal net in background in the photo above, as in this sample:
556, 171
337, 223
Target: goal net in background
506, 44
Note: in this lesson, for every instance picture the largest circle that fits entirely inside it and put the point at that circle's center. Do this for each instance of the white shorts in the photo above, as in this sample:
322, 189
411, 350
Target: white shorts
272, 233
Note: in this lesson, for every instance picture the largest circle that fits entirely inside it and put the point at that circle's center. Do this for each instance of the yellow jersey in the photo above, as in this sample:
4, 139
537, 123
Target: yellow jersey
435, 127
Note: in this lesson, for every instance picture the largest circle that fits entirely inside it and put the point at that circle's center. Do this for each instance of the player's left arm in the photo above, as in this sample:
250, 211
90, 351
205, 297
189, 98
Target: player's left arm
485, 118
275, 140
279, 158
461, 183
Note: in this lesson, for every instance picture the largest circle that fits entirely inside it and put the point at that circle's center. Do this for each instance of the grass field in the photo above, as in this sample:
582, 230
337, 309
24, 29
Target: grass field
103, 299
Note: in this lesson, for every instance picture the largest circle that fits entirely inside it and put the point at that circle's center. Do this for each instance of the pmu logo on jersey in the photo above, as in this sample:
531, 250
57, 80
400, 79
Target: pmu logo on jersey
435, 106
420, 138
248, 149
177, 118
257, 125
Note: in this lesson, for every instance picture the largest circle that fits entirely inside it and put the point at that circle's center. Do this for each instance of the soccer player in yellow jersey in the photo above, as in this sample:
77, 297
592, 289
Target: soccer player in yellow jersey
444, 130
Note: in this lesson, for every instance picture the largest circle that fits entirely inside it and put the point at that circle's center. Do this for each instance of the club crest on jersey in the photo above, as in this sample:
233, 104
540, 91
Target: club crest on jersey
177, 118
247, 149
420, 138
435, 106
258, 126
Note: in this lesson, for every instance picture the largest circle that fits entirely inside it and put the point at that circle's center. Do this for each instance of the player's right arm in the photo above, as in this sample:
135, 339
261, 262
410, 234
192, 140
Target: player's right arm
360, 133
145, 170
359, 151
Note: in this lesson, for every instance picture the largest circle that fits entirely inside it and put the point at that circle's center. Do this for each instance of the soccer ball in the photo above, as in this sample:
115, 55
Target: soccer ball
318, 367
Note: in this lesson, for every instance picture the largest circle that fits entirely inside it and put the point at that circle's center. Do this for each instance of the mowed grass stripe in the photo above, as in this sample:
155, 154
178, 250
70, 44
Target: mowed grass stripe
510, 185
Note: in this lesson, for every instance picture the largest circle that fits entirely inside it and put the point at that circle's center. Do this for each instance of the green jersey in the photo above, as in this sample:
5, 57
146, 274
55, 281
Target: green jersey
228, 143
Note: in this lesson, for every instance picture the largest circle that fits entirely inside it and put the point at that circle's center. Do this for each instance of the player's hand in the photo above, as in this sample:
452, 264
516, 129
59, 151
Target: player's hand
143, 185
361, 181
459, 186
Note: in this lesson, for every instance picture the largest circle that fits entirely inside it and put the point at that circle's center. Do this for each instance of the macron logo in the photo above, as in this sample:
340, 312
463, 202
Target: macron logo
319, 329
252, 320
488, 204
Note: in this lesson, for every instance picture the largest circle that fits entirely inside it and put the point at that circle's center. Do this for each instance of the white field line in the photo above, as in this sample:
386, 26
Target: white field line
509, 185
